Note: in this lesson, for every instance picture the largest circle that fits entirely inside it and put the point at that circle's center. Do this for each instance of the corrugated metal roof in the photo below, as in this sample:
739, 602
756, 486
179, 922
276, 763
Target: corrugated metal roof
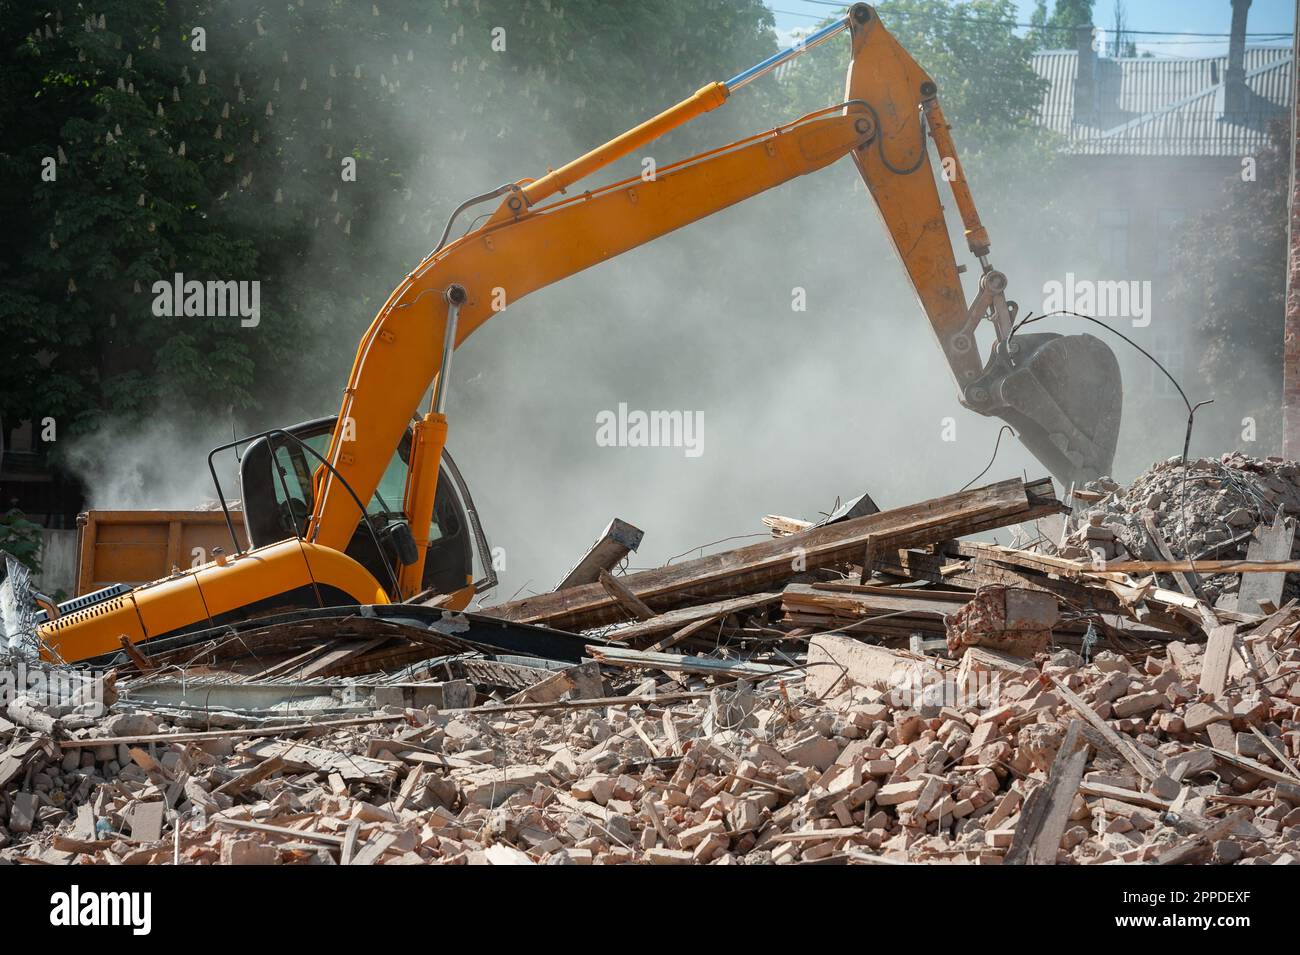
1155, 107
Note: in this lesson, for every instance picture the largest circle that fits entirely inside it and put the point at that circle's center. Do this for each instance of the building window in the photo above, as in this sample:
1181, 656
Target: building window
1169, 226
1169, 347
1112, 237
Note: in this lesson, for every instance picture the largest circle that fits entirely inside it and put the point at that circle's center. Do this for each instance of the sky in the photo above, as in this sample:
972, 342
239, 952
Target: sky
1183, 18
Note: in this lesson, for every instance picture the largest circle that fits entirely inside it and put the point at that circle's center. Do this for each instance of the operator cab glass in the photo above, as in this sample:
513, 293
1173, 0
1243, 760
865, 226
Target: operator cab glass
298, 466
276, 479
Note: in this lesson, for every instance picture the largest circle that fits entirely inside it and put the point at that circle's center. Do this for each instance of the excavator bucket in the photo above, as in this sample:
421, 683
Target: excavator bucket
1063, 395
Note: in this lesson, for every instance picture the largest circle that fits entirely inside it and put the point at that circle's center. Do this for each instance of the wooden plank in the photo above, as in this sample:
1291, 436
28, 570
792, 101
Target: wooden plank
1256, 568
284, 666
245, 781
1278, 754
1284, 616
409, 785
307, 835
784, 526
301, 756
1218, 657
337, 655
141, 662
1246, 764
758, 566
1027, 560
1046, 813
1122, 745
676, 619
1188, 583
443, 761
250, 732
854, 601
617, 540
594, 703
687, 631
1102, 791
1186, 852
624, 597
1271, 545
348, 850
546, 690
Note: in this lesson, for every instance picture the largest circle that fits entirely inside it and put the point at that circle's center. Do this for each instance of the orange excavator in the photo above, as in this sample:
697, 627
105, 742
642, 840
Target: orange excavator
366, 509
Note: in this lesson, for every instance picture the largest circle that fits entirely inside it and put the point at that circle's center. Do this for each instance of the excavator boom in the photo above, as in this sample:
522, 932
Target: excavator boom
1045, 391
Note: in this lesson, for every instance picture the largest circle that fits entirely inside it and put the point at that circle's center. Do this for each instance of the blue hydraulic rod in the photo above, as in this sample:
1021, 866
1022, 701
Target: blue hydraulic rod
776, 59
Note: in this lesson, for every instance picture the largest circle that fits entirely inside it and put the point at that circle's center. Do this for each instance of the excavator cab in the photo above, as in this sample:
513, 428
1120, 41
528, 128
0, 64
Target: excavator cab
275, 476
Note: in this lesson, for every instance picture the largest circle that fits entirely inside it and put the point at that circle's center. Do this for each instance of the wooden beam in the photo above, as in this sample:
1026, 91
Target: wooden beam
616, 541
306, 835
1188, 583
677, 637
1121, 744
759, 566
1218, 658
1271, 546
1189, 849
244, 781
674, 620
142, 662
707, 666
1253, 567
1046, 813
248, 732
625, 598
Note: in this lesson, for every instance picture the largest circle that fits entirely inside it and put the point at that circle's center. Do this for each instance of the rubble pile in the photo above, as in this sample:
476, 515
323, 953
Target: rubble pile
878, 689
920, 771
1206, 510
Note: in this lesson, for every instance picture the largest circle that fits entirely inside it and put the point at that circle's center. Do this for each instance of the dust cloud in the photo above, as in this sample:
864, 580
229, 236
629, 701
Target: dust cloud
801, 409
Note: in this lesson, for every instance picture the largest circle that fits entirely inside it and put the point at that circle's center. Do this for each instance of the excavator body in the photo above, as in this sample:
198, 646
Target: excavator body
1061, 393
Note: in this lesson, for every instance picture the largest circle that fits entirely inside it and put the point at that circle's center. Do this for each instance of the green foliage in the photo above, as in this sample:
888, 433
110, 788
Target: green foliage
1060, 30
140, 194
225, 163
987, 84
21, 538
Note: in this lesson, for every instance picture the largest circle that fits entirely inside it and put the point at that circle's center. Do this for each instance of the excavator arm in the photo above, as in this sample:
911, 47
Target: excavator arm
532, 240
1060, 392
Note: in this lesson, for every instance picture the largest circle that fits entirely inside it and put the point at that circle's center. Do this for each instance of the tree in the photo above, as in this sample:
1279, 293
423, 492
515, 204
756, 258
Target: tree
314, 146
1120, 45
117, 181
1060, 29
984, 71
1038, 36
